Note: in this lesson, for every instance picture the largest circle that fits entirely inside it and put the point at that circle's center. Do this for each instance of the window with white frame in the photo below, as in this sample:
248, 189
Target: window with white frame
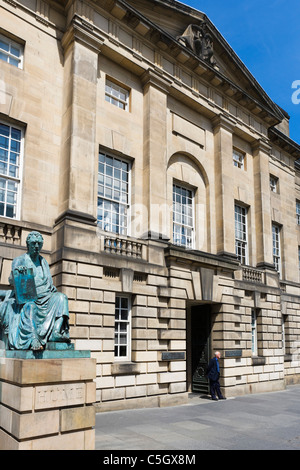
276, 247
113, 194
273, 184
298, 212
241, 233
116, 95
10, 170
254, 331
183, 216
238, 159
11, 51
122, 328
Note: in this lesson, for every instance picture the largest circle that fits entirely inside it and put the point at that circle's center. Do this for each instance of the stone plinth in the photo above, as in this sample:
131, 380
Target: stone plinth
46, 400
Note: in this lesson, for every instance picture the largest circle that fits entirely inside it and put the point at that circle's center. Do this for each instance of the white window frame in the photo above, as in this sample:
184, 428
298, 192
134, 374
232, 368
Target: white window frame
127, 331
254, 332
183, 225
298, 212
241, 242
113, 93
238, 159
276, 243
9, 54
124, 229
273, 184
18, 180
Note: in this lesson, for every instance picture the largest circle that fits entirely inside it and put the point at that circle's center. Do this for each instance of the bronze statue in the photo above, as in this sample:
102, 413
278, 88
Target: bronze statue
33, 312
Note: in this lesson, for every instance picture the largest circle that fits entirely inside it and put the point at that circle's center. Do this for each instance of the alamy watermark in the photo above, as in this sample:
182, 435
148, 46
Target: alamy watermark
296, 93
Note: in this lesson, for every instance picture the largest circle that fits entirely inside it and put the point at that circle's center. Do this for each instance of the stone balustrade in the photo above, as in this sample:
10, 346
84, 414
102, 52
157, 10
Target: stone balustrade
252, 275
10, 233
124, 246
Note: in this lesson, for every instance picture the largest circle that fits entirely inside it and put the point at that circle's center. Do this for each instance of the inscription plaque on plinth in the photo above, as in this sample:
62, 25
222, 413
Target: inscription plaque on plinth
53, 396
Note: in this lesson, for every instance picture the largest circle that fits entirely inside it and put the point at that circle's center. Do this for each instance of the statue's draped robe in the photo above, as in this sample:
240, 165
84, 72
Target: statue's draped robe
33, 320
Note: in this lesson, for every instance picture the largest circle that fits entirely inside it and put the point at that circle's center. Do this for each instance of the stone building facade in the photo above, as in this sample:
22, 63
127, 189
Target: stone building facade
165, 184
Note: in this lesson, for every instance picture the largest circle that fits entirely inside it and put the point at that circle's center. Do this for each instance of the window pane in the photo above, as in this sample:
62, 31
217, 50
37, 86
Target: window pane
15, 51
4, 130
4, 45
13, 61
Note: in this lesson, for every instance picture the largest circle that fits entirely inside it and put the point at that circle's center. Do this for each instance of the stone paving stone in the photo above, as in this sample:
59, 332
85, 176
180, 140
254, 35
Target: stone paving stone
264, 422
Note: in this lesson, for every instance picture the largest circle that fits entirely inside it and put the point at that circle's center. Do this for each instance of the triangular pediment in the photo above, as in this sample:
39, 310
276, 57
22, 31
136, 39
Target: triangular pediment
181, 22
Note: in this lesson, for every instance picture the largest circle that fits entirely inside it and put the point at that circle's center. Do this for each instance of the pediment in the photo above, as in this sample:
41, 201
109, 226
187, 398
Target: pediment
197, 36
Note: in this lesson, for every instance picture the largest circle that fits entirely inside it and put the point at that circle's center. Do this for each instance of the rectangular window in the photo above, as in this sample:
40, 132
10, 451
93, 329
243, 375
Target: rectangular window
273, 184
183, 216
276, 248
113, 194
10, 162
116, 95
122, 328
254, 331
298, 212
241, 234
284, 332
11, 52
238, 159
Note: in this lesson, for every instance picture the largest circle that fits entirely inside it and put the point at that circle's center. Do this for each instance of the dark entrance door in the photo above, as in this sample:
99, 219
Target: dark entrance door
200, 331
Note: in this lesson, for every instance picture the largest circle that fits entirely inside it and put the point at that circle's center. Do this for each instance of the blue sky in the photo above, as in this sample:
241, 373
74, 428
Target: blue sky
265, 34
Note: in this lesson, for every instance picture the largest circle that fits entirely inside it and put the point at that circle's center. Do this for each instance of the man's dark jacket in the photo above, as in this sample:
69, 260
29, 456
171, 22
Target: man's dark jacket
212, 370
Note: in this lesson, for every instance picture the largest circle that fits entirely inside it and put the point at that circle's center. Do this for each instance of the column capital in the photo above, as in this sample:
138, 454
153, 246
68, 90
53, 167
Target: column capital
156, 79
77, 32
261, 145
223, 122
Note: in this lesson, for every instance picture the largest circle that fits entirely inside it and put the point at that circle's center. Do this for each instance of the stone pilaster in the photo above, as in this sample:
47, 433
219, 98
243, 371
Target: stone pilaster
262, 210
223, 143
155, 152
79, 148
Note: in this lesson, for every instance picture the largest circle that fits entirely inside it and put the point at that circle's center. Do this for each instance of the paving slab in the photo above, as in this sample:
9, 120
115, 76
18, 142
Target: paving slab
269, 421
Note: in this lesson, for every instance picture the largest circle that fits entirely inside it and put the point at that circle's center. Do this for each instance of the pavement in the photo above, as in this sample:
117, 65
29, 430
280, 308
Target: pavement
266, 421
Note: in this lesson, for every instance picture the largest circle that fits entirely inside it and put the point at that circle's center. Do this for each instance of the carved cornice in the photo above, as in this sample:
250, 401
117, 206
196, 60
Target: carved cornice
284, 142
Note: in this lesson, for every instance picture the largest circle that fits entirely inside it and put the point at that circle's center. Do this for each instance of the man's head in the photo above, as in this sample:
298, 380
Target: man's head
218, 354
34, 242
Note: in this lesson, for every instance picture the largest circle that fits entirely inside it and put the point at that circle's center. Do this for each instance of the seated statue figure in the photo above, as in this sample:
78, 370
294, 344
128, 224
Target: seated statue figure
45, 316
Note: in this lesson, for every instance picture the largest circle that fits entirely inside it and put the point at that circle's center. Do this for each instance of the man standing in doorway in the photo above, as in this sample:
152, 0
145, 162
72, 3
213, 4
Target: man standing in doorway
213, 373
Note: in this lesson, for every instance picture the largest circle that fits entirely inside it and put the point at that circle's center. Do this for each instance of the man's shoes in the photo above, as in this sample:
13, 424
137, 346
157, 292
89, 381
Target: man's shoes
214, 398
222, 398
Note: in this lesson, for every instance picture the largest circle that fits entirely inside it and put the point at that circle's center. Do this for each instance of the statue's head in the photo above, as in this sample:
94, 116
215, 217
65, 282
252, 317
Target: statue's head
34, 242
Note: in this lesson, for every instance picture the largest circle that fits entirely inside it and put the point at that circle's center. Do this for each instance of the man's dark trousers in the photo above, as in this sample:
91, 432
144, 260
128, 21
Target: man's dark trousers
213, 376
